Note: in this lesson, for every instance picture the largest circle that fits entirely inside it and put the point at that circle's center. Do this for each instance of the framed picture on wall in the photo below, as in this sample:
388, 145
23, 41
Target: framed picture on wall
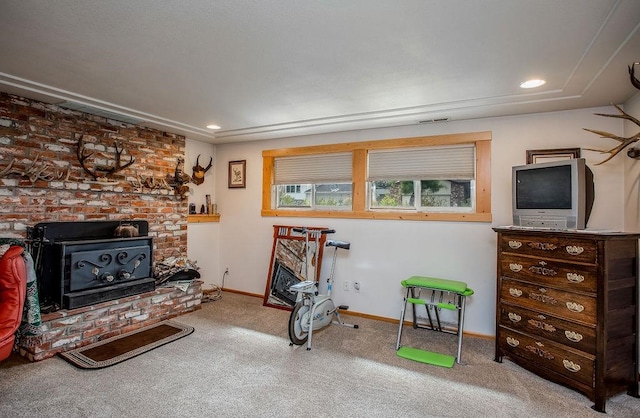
237, 174
549, 155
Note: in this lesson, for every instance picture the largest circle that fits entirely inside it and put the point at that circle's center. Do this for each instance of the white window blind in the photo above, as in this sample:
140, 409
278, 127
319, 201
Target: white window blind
325, 168
431, 163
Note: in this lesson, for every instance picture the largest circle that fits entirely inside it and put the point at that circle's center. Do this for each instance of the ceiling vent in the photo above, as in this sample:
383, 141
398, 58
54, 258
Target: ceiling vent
434, 120
100, 112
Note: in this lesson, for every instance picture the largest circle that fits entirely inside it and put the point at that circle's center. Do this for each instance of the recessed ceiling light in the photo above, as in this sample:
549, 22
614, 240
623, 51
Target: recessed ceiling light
213, 127
531, 84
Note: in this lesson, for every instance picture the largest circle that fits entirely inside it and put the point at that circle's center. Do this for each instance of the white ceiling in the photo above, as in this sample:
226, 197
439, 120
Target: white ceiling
277, 68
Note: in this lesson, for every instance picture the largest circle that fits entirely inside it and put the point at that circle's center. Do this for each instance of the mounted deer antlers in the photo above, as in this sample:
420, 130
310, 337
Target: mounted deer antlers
632, 76
106, 170
37, 170
624, 142
176, 181
199, 172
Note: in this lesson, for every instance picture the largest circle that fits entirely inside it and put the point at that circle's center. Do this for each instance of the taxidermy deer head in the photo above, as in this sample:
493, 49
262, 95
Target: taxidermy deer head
199, 172
623, 141
178, 180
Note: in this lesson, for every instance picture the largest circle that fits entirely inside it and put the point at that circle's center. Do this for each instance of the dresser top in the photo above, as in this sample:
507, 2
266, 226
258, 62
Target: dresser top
586, 233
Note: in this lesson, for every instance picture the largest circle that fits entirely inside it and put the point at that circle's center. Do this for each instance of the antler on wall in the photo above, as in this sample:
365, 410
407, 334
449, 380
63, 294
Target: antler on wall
36, 170
623, 141
199, 171
83, 156
632, 76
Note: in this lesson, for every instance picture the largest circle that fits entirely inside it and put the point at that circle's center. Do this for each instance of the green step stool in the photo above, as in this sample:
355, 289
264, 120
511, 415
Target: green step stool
442, 294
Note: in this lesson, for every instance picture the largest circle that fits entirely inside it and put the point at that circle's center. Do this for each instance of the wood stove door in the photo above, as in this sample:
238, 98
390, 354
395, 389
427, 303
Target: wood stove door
90, 269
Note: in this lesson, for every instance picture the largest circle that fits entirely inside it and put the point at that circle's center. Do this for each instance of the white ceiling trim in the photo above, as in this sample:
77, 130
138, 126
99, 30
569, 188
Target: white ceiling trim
62, 96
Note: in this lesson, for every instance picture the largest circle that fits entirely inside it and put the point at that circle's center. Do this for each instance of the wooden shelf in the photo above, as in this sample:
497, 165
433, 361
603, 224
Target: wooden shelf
203, 218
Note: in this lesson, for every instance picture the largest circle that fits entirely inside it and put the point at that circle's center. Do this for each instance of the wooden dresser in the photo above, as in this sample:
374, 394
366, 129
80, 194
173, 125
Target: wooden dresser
567, 308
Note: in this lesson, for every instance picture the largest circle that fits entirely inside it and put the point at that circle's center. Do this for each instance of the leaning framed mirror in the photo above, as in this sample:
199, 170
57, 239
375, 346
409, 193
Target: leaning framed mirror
291, 262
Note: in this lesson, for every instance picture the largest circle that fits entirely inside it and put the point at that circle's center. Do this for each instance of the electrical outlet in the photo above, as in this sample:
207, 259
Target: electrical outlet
345, 285
226, 270
356, 286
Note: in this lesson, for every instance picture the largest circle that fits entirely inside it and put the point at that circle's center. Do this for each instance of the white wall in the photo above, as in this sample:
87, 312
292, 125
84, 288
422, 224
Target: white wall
632, 169
197, 193
203, 238
385, 252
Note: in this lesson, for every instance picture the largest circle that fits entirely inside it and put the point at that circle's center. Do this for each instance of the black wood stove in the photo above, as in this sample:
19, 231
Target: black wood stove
83, 263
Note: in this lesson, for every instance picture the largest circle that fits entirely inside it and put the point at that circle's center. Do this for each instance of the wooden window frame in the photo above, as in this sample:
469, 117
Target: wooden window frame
359, 150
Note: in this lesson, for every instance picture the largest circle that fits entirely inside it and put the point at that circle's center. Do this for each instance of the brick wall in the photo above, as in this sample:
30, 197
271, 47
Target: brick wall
40, 141
68, 329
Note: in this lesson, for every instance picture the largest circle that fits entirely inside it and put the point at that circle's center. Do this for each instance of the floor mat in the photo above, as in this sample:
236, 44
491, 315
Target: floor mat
123, 347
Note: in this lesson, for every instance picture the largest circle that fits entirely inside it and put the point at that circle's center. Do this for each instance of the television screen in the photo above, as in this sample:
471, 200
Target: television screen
544, 188
554, 194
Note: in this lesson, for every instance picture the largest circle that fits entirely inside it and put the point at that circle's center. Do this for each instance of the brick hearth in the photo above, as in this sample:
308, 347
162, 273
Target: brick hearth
68, 329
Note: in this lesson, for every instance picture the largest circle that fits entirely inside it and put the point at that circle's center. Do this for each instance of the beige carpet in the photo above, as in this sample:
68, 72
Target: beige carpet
238, 363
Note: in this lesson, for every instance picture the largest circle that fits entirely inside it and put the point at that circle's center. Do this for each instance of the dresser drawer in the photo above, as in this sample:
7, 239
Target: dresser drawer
572, 277
565, 305
548, 355
555, 247
564, 332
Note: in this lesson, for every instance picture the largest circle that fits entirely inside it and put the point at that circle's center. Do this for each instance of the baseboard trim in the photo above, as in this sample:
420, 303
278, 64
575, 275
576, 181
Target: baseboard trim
241, 292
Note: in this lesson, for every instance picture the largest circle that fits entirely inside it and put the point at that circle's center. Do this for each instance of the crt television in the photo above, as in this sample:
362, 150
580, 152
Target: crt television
556, 195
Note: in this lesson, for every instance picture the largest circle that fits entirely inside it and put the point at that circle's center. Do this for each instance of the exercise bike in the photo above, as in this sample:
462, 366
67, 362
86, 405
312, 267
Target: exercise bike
312, 310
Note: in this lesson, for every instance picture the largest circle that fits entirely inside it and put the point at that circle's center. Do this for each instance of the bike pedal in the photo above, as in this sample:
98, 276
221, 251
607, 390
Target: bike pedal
343, 307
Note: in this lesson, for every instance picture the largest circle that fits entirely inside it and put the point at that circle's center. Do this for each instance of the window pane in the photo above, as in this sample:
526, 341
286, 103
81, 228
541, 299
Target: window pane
440, 195
446, 194
391, 194
315, 196
293, 195
336, 195
436, 179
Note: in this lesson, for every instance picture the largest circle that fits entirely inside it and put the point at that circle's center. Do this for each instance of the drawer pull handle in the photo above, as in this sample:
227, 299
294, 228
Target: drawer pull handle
515, 244
575, 307
576, 337
571, 366
515, 267
574, 249
515, 292
540, 351
513, 342
544, 246
514, 317
543, 297
542, 271
542, 325
575, 277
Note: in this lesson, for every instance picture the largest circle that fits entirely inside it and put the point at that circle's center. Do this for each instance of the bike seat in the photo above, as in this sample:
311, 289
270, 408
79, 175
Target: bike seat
338, 244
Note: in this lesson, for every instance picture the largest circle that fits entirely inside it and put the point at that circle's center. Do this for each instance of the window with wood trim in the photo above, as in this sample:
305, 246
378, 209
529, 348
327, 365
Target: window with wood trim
445, 177
439, 179
316, 182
